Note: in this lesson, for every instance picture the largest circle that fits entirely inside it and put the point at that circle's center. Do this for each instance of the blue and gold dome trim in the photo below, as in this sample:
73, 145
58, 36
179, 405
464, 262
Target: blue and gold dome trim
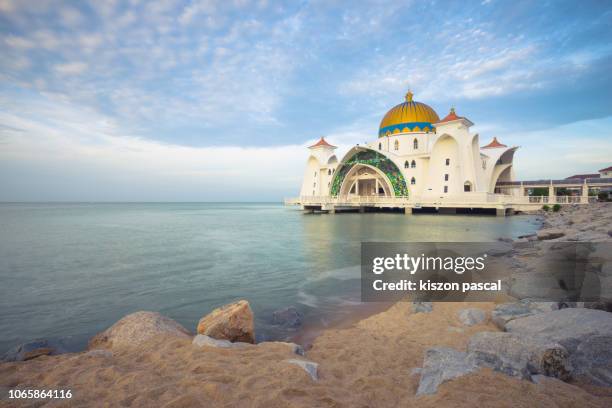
408, 117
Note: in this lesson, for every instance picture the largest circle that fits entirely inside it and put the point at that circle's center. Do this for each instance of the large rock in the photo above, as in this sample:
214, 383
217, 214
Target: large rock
442, 364
520, 356
136, 328
471, 316
550, 233
585, 333
233, 322
288, 317
506, 312
33, 349
593, 360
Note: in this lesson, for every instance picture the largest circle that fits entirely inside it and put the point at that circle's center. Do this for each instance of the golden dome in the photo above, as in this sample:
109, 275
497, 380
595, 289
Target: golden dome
408, 117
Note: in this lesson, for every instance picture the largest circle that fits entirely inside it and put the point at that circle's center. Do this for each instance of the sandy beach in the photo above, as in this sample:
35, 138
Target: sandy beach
369, 364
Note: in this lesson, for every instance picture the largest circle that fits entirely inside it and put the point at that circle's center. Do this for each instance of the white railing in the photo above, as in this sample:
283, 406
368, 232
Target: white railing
568, 199
467, 199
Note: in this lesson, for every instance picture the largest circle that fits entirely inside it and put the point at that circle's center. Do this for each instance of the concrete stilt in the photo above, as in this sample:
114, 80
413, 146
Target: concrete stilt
408, 210
584, 198
500, 212
551, 194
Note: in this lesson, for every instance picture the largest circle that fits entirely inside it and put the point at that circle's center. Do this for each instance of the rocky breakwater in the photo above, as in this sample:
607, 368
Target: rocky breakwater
592, 222
570, 344
568, 260
566, 339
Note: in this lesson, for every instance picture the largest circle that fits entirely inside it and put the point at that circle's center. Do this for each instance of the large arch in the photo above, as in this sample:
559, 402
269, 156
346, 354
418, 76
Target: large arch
365, 180
374, 160
503, 172
502, 169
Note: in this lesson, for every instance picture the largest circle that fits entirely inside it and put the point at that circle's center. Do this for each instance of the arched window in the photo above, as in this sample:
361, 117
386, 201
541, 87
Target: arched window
329, 172
406, 164
467, 186
315, 174
415, 143
448, 162
413, 181
413, 164
446, 189
396, 144
446, 177
380, 146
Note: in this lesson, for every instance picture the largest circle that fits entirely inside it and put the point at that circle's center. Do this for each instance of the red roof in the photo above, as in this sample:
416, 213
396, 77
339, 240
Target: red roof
494, 143
606, 169
451, 116
321, 142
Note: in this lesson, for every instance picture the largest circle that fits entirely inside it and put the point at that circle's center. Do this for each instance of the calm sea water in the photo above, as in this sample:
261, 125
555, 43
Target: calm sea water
70, 270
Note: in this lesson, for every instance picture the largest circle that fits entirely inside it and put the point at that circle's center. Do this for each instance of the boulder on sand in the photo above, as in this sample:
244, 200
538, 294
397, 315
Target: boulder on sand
442, 364
550, 233
135, 328
520, 356
506, 312
472, 316
585, 333
233, 322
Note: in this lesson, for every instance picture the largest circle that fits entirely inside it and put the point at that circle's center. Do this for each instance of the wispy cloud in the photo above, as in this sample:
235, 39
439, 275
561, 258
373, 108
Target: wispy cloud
71, 68
189, 84
116, 166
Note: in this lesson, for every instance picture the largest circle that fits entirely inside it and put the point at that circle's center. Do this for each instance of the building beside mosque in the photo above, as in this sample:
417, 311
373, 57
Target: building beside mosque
417, 157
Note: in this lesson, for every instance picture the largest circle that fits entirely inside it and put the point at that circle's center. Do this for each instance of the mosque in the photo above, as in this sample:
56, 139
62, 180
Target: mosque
417, 160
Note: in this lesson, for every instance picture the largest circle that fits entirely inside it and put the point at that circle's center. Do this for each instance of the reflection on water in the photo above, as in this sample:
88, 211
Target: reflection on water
71, 270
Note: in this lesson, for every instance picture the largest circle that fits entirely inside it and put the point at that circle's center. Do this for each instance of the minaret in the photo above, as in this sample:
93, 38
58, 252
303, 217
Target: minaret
322, 151
320, 169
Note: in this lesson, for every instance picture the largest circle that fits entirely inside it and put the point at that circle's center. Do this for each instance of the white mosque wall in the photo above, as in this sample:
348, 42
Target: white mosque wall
445, 169
320, 168
311, 178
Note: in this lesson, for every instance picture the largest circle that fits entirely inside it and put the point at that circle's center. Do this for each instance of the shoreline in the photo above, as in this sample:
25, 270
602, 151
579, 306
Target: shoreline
371, 359
308, 333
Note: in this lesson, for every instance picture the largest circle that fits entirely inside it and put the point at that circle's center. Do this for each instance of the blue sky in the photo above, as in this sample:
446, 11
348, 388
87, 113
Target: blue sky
203, 100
